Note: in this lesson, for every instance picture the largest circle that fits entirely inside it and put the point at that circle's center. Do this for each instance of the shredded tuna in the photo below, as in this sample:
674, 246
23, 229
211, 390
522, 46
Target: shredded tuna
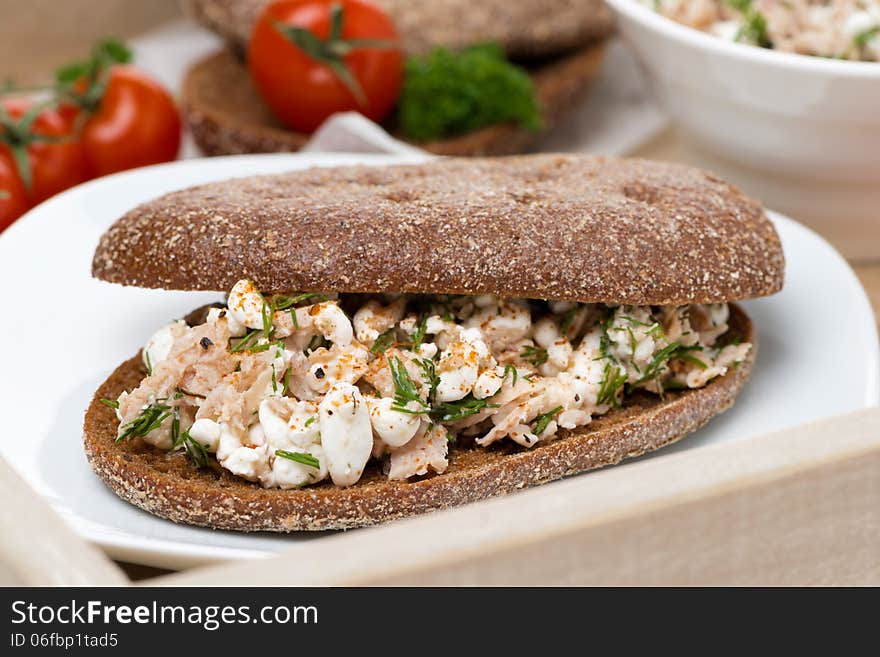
290, 395
838, 29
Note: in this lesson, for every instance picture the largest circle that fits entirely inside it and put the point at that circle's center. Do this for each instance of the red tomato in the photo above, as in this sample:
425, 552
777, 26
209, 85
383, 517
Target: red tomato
13, 198
304, 80
53, 166
135, 124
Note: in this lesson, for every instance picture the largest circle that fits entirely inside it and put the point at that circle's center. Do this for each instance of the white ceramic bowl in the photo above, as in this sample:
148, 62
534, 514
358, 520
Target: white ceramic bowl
794, 115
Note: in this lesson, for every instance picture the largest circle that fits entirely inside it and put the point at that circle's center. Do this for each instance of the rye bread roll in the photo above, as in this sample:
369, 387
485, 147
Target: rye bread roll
524, 28
167, 485
546, 226
226, 115
567, 227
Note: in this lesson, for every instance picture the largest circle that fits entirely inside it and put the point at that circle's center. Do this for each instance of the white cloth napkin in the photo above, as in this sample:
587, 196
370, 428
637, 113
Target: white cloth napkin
618, 115
350, 132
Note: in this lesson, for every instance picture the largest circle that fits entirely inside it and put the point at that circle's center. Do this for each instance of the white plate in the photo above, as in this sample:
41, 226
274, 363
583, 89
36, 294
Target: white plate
63, 332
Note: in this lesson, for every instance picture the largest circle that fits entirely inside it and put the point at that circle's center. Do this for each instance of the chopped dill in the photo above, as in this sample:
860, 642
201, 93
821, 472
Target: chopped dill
661, 359
299, 457
285, 303
429, 375
543, 421
458, 410
267, 313
861, 39
286, 387
693, 360
247, 341
317, 342
568, 319
290, 304
385, 340
149, 419
405, 390
265, 346
421, 330
509, 368
195, 451
534, 355
613, 379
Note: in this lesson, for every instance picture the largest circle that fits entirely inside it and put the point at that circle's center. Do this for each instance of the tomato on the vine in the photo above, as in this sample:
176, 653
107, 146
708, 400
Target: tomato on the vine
13, 197
127, 119
312, 58
41, 143
135, 124
104, 117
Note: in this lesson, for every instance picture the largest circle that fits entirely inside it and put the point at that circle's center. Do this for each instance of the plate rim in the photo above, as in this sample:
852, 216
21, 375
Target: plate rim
165, 553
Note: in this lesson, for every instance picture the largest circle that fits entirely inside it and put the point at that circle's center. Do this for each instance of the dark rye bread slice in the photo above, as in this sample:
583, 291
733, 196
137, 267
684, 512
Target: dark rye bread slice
573, 227
524, 28
226, 115
167, 485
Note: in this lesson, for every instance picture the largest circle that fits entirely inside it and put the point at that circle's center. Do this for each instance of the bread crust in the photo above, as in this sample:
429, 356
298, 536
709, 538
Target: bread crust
572, 227
168, 486
226, 115
523, 29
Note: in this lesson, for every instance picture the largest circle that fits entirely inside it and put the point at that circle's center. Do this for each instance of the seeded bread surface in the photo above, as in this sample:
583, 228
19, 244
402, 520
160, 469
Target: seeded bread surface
572, 227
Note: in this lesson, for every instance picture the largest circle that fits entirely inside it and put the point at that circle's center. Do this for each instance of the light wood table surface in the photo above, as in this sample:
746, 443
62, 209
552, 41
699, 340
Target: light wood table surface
63, 37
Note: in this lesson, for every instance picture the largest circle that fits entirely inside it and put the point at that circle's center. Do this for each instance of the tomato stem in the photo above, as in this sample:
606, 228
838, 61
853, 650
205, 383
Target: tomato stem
91, 72
332, 51
17, 135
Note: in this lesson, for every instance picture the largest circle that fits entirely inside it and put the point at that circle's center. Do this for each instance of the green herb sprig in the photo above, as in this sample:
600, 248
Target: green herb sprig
247, 341
405, 390
447, 93
510, 369
568, 319
384, 341
195, 451
661, 359
754, 27
534, 355
429, 376
543, 421
149, 419
299, 457
458, 410
613, 379
421, 330
861, 39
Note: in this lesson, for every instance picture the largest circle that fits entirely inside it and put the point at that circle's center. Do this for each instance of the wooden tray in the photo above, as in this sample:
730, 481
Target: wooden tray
801, 506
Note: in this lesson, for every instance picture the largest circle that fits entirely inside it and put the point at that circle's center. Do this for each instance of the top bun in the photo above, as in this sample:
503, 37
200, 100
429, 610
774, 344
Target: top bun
571, 227
524, 28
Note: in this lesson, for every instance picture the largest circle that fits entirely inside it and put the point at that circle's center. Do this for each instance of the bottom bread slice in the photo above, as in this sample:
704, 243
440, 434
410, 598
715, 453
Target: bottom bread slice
167, 485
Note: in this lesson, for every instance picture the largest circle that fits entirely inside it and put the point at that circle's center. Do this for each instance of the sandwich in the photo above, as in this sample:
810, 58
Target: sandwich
409, 338
559, 44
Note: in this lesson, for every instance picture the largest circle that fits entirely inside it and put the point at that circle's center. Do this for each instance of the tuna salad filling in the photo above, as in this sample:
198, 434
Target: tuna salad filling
839, 29
290, 390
